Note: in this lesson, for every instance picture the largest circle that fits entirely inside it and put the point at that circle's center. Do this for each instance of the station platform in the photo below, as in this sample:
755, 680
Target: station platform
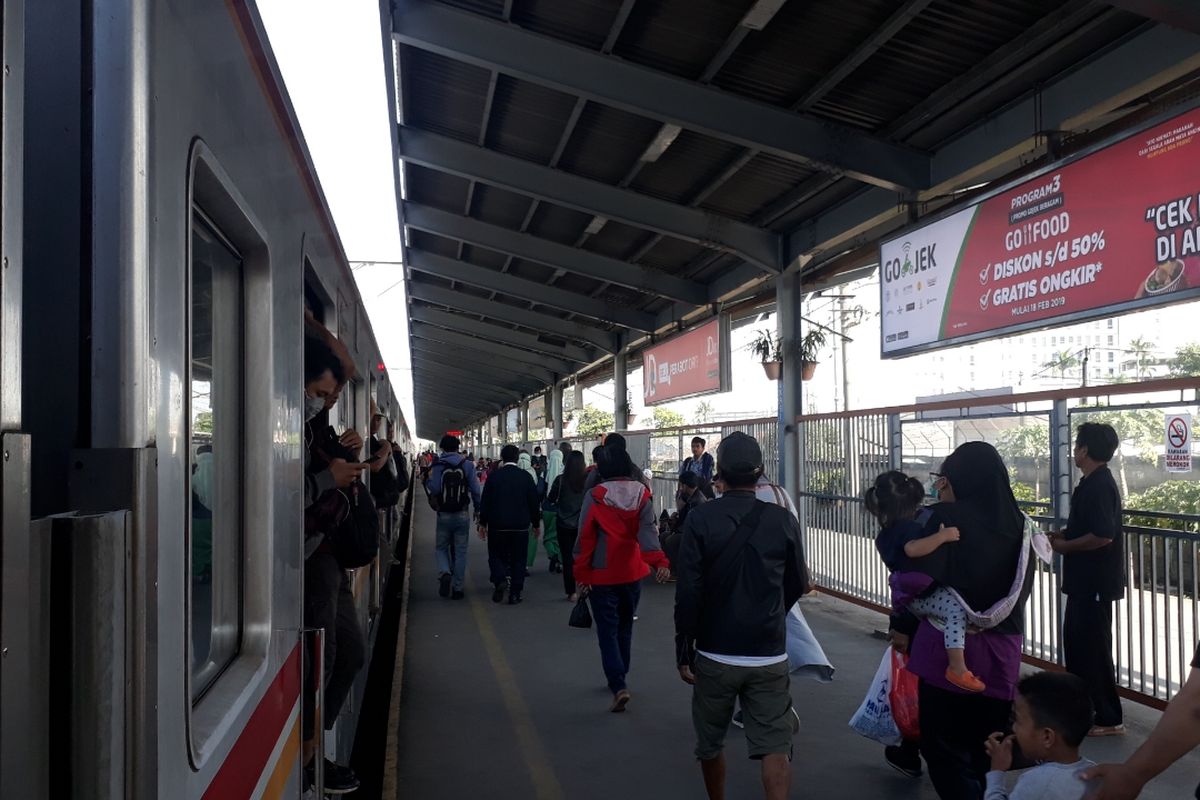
507, 702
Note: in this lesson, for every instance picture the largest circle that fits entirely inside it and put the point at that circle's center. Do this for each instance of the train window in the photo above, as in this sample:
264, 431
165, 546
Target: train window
217, 441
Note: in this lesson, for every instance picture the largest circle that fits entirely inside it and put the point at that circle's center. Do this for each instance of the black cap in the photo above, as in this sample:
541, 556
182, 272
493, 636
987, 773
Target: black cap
739, 453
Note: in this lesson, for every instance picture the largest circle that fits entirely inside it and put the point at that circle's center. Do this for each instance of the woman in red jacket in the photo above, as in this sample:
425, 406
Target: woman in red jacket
617, 545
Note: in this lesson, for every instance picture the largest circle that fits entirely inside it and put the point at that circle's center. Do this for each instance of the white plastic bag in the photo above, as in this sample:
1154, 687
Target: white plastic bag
874, 717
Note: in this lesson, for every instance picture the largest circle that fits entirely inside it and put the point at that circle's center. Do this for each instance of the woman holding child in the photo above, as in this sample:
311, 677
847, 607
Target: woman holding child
957, 716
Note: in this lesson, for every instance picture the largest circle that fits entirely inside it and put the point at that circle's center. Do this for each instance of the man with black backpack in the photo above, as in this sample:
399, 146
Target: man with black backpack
452, 488
739, 558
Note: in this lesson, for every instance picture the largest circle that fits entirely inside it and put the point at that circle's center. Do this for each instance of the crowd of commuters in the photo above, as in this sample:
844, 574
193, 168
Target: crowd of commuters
961, 571
346, 483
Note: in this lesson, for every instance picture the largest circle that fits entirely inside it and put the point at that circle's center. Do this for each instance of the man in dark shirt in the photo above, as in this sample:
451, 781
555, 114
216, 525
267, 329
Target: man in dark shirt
741, 567
509, 510
1094, 573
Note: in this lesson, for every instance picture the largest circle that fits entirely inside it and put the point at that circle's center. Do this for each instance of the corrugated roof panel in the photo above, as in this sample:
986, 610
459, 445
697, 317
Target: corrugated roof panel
688, 165
527, 119
444, 96
431, 243
615, 240
531, 270
582, 22
499, 207
606, 142
562, 225
679, 36
425, 279
764, 179
672, 255
942, 43
483, 257
492, 8
438, 189
802, 43
579, 284
619, 295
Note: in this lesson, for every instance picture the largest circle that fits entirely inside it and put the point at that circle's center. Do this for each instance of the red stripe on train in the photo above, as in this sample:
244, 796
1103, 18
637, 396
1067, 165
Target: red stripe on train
245, 763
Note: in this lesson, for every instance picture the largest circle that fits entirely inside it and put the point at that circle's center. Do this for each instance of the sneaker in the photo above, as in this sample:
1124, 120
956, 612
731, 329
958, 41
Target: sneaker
514, 599
458, 595
1107, 730
444, 584
554, 565
620, 700
904, 760
339, 779
737, 719
498, 593
965, 680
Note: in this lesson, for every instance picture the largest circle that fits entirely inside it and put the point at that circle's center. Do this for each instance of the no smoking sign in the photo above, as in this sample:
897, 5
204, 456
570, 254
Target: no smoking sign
1178, 440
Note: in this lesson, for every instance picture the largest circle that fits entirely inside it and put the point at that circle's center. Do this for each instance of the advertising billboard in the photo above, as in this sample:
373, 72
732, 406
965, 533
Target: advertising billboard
690, 364
1111, 231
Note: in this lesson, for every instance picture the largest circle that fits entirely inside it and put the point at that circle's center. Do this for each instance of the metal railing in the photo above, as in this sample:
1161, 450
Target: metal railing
1155, 626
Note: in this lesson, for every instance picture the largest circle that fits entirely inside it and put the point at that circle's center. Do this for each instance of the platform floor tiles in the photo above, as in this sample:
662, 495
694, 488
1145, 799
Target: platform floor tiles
507, 702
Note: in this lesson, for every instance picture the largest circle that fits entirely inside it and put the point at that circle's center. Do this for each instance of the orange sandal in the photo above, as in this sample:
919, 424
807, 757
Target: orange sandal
965, 680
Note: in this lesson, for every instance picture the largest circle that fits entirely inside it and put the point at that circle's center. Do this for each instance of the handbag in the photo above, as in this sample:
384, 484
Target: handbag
581, 616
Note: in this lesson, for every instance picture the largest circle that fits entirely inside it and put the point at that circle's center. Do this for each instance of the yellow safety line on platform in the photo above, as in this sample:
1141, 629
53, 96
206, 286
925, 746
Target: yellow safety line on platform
545, 782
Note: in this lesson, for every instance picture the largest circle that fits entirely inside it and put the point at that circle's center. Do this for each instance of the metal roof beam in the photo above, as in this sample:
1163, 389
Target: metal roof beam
441, 352
1182, 14
759, 246
513, 315
492, 347
484, 278
541, 59
459, 384
518, 381
552, 254
460, 322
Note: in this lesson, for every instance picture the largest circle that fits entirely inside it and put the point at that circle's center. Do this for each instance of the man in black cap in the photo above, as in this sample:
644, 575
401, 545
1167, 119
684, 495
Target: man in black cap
738, 557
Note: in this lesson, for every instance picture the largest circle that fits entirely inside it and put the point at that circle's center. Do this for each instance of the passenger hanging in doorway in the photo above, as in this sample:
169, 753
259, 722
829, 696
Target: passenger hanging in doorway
511, 510
1093, 573
452, 489
328, 603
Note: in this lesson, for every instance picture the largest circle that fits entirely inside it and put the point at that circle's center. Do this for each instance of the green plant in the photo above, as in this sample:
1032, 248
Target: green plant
666, 418
767, 346
594, 422
811, 344
1186, 361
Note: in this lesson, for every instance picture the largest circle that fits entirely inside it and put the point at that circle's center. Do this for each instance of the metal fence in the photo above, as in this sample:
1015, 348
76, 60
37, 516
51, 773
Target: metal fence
1155, 626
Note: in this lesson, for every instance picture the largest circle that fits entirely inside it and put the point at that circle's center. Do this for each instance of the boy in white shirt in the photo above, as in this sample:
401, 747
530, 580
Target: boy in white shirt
1052, 714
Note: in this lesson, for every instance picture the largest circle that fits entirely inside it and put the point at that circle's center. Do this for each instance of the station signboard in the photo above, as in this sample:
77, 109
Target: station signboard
1106, 232
687, 365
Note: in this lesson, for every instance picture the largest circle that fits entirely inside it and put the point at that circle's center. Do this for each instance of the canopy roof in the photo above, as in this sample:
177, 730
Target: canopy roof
581, 174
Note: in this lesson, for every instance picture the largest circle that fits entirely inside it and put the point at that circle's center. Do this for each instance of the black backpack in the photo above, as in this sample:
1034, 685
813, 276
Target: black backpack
454, 496
356, 540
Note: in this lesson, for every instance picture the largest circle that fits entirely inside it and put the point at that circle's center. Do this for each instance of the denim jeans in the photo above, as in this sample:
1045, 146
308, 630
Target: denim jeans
453, 527
613, 608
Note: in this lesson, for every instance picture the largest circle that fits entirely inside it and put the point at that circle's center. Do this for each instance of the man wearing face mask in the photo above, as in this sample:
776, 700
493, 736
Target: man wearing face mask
327, 600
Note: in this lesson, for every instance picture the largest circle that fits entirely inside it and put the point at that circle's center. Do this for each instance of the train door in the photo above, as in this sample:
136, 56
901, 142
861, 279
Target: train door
23, 743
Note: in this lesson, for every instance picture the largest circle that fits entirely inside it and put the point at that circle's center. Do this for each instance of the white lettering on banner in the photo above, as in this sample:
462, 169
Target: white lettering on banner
1177, 437
1040, 193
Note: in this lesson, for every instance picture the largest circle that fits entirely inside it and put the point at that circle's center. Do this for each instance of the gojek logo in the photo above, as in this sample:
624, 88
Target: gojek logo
914, 261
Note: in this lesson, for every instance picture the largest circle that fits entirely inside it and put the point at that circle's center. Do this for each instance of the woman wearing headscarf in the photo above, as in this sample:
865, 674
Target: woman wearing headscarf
554, 468
550, 541
566, 493
976, 497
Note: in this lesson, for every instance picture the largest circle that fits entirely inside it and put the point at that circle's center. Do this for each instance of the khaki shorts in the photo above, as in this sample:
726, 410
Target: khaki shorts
766, 698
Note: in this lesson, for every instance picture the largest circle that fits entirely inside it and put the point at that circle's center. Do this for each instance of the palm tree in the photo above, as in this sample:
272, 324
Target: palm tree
703, 412
1062, 361
1142, 352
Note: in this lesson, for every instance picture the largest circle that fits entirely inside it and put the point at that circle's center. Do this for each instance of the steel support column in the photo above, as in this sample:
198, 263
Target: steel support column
791, 439
557, 404
620, 391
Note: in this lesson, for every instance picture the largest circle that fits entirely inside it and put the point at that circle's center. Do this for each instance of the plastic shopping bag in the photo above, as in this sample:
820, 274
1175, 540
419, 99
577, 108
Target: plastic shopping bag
903, 697
874, 717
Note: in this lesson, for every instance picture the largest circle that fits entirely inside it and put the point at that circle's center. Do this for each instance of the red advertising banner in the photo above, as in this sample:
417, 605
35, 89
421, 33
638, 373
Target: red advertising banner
1108, 232
684, 366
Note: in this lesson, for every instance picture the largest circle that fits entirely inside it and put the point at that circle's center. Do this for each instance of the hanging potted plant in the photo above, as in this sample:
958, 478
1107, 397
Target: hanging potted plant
630, 416
810, 346
769, 349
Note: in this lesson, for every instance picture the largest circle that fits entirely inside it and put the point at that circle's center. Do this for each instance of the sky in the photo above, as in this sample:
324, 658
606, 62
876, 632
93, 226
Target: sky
331, 57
